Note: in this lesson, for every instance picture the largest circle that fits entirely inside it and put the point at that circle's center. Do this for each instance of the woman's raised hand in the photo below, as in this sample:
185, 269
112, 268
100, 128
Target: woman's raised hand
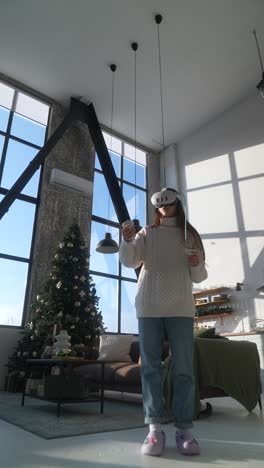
128, 230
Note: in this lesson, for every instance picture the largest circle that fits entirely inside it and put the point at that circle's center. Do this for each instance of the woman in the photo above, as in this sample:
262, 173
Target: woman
171, 255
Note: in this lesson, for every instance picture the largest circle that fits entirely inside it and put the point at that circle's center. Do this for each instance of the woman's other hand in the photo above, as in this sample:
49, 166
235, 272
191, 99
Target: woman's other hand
193, 259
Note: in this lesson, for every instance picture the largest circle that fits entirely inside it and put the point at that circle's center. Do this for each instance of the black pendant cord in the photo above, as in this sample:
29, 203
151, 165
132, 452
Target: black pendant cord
113, 69
134, 46
158, 19
259, 54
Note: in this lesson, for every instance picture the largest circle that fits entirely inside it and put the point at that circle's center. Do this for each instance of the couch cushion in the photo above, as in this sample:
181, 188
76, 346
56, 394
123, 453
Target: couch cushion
115, 347
134, 351
128, 375
93, 371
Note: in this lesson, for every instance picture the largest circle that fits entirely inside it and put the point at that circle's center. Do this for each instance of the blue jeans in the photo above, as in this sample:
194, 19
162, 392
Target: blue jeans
180, 336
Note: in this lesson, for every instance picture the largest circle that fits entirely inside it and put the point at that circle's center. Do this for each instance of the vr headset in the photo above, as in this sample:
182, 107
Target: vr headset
166, 196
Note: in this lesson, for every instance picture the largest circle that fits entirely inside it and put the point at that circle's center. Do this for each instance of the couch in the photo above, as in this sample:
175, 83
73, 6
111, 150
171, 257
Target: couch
222, 367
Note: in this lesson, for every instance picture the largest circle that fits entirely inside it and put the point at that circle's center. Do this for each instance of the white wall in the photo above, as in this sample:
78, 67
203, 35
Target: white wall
8, 340
221, 171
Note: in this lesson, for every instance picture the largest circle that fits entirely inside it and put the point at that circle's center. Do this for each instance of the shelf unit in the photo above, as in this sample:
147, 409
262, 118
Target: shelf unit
224, 301
213, 316
209, 294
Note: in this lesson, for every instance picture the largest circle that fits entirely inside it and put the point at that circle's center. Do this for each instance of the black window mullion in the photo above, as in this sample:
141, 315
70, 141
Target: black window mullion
119, 300
7, 135
25, 142
119, 304
98, 219
14, 258
22, 197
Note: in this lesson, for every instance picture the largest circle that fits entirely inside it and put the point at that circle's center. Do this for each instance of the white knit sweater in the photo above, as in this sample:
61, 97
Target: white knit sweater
165, 280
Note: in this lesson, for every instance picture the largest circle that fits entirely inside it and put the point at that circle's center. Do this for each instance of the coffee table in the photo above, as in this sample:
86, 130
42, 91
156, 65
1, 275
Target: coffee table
66, 366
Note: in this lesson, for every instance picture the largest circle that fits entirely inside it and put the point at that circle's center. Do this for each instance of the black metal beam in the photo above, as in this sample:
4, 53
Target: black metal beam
33, 166
90, 117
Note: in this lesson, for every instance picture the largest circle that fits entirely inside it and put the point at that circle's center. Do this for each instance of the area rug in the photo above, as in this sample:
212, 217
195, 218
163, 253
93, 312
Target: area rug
39, 417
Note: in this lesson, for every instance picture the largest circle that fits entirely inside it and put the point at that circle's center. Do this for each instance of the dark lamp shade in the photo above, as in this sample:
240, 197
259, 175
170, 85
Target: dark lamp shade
107, 245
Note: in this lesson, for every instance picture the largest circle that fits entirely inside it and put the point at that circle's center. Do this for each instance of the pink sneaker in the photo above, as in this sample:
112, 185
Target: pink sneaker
154, 444
186, 443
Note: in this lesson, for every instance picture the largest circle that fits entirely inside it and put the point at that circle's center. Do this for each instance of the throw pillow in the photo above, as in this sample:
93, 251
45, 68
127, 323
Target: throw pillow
115, 348
205, 333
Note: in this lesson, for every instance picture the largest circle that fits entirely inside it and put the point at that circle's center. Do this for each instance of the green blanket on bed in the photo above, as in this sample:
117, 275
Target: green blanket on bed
232, 366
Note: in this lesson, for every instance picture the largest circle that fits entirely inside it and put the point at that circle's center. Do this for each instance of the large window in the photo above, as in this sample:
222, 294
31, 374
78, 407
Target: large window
116, 285
23, 123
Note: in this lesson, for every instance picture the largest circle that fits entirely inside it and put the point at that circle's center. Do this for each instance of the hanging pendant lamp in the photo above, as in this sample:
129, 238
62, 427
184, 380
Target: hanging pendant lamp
260, 85
134, 47
108, 245
158, 20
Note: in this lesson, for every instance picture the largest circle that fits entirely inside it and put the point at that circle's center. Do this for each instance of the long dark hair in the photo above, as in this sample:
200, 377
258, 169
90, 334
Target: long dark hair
181, 223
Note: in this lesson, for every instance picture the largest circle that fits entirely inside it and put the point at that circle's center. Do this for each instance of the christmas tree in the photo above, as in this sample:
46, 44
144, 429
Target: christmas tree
68, 302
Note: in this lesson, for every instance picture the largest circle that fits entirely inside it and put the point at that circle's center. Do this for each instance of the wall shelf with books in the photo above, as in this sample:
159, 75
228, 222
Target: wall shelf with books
211, 292
210, 317
212, 304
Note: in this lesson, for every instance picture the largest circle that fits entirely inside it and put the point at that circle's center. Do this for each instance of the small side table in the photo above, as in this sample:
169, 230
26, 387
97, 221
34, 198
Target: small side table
66, 366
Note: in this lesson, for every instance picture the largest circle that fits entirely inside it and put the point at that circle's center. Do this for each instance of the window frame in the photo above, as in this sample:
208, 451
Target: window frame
119, 277
23, 197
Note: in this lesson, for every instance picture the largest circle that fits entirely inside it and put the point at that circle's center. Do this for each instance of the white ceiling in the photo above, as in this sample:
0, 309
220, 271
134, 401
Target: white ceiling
62, 48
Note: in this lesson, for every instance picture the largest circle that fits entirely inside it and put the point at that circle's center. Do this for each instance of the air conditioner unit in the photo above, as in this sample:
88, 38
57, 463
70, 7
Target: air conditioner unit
71, 181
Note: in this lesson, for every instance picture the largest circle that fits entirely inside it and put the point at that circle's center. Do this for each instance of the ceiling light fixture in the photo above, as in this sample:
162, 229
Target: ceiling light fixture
108, 245
134, 47
158, 20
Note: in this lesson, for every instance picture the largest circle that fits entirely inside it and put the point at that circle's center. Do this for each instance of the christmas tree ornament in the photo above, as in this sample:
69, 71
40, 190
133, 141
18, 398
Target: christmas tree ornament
62, 341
